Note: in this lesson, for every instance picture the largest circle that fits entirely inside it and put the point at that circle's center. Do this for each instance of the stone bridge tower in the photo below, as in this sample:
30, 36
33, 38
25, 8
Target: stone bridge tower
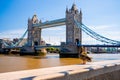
72, 32
34, 33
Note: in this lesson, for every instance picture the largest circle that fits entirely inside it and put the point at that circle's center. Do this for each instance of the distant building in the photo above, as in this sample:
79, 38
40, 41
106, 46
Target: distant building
15, 40
8, 42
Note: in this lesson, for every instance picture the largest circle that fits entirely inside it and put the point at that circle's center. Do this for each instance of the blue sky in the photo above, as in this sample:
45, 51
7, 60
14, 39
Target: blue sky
102, 16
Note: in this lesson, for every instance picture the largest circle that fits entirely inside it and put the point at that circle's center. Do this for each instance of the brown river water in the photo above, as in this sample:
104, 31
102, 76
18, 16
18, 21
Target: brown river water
17, 63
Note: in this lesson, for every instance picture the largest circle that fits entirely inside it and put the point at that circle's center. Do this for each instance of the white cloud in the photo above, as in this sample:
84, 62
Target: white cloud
54, 28
12, 33
101, 27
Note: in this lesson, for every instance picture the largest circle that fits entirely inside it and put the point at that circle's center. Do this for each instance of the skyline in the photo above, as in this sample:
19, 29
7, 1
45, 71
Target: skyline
101, 16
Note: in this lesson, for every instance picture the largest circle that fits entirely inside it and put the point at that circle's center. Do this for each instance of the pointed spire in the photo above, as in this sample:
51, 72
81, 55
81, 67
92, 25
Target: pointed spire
74, 7
80, 11
34, 16
40, 21
29, 20
67, 10
34, 19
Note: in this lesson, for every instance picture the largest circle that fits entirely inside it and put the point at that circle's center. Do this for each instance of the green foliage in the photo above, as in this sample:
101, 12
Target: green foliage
53, 50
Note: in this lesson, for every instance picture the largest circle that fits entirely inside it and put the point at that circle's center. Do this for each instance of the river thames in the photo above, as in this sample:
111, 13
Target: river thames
17, 63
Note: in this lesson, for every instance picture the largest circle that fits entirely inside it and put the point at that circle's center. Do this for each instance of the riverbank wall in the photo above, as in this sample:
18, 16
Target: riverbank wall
103, 70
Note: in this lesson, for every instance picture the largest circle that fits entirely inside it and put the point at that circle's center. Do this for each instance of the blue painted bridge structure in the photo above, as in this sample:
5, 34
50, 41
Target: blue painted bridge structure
60, 22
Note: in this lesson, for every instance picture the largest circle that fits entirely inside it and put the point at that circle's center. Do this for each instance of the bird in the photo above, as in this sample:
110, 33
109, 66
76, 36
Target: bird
84, 56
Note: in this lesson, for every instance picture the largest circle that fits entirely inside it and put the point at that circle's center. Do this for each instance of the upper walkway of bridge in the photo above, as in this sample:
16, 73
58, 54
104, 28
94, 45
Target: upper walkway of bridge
52, 23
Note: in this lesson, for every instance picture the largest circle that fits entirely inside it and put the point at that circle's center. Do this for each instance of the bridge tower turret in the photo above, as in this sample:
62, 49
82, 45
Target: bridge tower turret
72, 32
34, 33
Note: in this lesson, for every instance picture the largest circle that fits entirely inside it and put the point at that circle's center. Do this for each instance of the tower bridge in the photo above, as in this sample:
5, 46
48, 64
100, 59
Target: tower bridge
74, 28
72, 31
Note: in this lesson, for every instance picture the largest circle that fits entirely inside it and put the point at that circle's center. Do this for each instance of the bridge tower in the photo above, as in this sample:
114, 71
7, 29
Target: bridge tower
34, 33
72, 32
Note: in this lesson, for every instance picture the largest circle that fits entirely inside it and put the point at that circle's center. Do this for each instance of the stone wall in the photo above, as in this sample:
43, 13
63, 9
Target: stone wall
108, 72
115, 75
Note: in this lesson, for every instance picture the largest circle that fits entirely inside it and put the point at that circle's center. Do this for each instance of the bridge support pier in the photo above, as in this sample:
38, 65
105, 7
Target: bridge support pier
6, 51
68, 50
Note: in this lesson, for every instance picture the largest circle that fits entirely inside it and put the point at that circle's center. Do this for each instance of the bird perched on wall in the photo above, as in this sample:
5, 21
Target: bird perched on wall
84, 56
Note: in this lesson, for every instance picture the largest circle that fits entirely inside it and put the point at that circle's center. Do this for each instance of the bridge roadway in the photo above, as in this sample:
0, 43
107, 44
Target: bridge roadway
101, 45
58, 46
